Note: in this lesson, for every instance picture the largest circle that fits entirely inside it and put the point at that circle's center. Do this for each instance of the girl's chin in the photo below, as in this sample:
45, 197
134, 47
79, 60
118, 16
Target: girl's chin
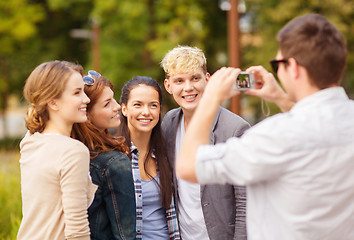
115, 124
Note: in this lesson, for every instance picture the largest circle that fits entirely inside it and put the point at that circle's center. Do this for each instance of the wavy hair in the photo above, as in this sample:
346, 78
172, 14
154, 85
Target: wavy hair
96, 140
46, 82
183, 59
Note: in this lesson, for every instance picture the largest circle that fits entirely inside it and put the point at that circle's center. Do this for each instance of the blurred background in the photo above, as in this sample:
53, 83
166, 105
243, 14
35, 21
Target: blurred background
125, 38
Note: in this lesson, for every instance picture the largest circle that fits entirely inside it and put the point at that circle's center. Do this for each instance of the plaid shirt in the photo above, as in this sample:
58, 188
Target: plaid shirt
171, 216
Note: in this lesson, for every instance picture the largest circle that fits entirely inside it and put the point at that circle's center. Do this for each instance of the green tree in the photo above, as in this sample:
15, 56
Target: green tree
18, 19
135, 35
32, 32
268, 17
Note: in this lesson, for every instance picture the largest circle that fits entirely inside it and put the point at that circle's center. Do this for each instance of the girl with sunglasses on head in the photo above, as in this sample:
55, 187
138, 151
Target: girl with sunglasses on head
55, 185
141, 127
112, 213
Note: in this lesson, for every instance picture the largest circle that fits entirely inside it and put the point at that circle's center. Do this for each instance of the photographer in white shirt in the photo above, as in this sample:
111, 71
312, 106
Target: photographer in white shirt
297, 166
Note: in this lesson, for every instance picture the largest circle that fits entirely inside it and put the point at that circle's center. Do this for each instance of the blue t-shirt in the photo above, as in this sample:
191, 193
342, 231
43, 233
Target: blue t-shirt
154, 219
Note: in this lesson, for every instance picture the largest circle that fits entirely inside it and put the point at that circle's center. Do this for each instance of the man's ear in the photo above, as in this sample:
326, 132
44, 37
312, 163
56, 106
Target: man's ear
207, 76
52, 104
167, 85
294, 68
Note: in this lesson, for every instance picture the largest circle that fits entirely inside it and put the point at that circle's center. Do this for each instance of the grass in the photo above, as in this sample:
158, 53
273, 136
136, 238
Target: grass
10, 194
9, 144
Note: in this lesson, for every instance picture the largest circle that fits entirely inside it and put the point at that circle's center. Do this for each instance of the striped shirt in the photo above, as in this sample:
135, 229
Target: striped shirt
171, 216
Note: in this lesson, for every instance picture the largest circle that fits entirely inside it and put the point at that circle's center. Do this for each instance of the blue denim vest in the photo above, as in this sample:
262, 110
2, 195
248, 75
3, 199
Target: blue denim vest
112, 213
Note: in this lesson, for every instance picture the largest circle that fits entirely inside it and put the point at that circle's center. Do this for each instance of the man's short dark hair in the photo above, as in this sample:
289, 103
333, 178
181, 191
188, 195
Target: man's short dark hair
316, 45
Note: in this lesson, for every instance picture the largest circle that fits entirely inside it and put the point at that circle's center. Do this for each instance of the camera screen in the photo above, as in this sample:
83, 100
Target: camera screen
243, 81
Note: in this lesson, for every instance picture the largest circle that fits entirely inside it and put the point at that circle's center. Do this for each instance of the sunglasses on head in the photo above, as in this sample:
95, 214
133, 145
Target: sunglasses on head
275, 64
88, 79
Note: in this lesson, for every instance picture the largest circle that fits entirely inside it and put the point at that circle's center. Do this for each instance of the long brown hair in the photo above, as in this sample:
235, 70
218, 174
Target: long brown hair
97, 141
156, 144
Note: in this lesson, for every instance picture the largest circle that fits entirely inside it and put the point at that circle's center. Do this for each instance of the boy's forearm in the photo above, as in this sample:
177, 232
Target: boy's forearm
196, 135
218, 89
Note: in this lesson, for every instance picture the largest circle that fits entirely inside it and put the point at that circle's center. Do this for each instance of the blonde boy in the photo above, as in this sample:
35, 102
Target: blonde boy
215, 212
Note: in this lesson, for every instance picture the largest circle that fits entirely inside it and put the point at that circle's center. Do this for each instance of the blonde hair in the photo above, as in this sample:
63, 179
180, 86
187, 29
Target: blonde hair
183, 59
46, 82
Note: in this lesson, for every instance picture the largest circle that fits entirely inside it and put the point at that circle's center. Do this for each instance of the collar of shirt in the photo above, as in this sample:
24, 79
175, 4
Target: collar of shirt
318, 98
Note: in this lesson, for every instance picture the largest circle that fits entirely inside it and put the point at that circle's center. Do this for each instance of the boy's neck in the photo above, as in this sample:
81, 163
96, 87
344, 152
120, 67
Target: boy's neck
187, 118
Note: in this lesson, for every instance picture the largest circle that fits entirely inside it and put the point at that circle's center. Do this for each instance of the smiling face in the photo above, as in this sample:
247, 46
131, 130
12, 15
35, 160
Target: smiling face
187, 88
104, 113
72, 104
142, 109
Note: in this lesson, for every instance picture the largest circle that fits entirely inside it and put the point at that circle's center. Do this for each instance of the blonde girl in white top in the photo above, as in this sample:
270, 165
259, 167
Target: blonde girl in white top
55, 185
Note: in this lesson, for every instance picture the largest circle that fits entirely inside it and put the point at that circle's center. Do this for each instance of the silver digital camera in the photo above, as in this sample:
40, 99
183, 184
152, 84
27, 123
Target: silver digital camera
244, 81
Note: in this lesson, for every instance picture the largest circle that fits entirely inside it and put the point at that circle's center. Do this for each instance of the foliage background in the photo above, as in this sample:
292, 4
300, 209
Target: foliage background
10, 195
134, 37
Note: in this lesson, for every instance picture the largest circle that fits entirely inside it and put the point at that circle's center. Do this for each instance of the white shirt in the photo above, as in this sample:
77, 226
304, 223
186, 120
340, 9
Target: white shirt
299, 169
190, 213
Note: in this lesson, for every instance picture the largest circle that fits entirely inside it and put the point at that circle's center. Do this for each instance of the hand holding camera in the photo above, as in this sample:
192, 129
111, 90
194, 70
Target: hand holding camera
267, 88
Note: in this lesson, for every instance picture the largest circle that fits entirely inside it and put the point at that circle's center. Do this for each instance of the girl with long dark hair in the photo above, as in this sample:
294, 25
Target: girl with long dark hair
141, 101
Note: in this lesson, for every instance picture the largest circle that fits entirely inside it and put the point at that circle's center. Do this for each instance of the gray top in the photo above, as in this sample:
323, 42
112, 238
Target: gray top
224, 206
